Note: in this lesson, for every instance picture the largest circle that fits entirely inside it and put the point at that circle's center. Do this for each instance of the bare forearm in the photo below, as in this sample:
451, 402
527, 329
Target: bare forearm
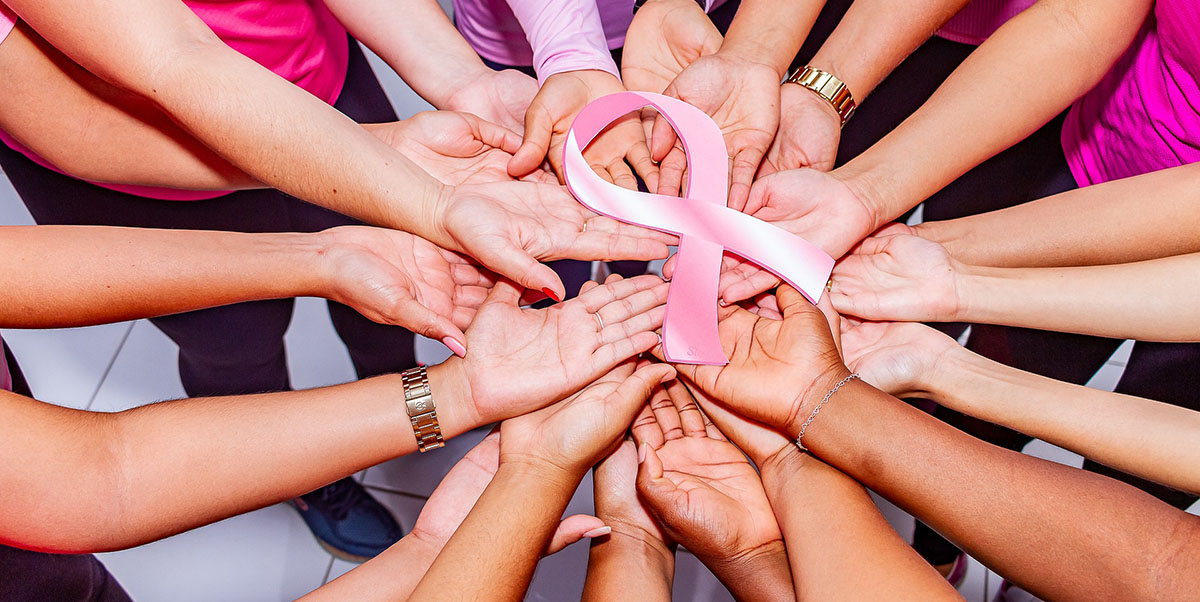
1148, 301
1053, 232
389, 577
416, 39
875, 36
986, 105
829, 522
764, 576
112, 481
493, 553
1108, 539
624, 567
1153, 440
771, 32
60, 276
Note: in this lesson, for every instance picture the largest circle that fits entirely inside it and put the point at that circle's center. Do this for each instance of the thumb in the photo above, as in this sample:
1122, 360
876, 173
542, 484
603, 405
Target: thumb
633, 392
538, 127
657, 491
505, 291
662, 138
428, 323
518, 265
791, 302
574, 528
493, 135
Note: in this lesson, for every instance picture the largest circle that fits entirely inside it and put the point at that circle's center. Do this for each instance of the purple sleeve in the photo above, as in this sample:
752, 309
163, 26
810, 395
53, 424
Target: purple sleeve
8, 20
565, 35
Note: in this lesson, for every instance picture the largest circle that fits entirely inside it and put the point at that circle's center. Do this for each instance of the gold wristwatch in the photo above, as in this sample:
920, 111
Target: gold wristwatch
418, 400
826, 86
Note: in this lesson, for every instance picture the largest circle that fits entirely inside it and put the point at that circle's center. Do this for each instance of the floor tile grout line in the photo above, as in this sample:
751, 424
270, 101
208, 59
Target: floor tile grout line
328, 570
111, 362
396, 492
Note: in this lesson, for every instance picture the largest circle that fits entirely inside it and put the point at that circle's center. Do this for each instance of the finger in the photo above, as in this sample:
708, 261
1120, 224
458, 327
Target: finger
622, 176
657, 491
666, 414
601, 171
540, 176
745, 164
538, 128
632, 393
634, 305
518, 265
647, 322
574, 528
598, 245
791, 302
427, 323
596, 223
645, 429
587, 286
466, 274
639, 157
755, 283
691, 421
611, 354
670, 172
463, 316
668, 268
597, 297
494, 135
662, 138
833, 320
470, 296
505, 291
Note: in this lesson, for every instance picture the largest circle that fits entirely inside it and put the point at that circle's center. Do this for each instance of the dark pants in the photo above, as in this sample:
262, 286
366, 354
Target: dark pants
1031, 169
38, 577
238, 348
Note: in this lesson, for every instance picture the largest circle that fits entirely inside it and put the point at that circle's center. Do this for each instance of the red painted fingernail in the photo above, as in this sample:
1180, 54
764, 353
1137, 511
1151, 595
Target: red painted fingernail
551, 294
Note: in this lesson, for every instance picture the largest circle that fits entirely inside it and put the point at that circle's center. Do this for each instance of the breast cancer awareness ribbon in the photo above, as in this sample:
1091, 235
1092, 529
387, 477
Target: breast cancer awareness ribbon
706, 226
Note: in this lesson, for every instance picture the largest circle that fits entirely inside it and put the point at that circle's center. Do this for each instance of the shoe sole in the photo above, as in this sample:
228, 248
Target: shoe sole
341, 554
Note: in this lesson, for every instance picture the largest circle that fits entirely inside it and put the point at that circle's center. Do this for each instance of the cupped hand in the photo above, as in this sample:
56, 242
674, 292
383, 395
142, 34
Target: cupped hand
454, 497
617, 502
510, 227
549, 118
775, 367
572, 435
896, 357
743, 98
455, 148
664, 38
394, 277
520, 359
699, 485
900, 277
809, 133
501, 97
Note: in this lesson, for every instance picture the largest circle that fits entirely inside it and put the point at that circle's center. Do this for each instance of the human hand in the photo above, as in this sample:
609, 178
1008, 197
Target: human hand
455, 148
549, 118
743, 98
809, 133
394, 277
454, 497
775, 367
572, 435
510, 227
664, 38
700, 486
900, 358
501, 97
900, 277
618, 505
523, 359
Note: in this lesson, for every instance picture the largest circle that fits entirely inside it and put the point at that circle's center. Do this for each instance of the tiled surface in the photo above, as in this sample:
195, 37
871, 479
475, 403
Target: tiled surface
269, 555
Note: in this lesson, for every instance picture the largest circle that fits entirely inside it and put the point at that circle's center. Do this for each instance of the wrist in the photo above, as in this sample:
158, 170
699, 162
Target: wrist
436, 198
810, 398
526, 468
872, 186
761, 573
450, 93
751, 54
634, 541
452, 397
940, 382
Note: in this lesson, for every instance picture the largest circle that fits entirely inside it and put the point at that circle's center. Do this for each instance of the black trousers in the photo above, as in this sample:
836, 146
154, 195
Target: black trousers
239, 348
1031, 169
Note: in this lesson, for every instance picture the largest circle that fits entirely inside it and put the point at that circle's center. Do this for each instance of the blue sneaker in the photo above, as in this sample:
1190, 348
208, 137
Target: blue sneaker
347, 521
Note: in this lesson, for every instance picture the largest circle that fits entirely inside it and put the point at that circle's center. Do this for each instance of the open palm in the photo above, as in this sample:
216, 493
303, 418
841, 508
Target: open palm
900, 277
896, 357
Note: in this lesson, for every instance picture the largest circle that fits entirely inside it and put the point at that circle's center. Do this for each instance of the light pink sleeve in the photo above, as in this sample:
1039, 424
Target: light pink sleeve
8, 20
565, 35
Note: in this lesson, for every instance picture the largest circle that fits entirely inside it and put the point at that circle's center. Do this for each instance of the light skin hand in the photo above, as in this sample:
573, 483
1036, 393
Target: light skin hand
549, 118
501, 97
510, 227
901, 358
524, 359
899, 277
456, 148
809, 133
708, 496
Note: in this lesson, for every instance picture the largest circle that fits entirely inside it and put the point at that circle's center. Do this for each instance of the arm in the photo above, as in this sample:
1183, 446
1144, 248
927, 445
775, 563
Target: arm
1032, 234
1108, 539
543, 457
635, 560
904, 277
79, 481
1146, 438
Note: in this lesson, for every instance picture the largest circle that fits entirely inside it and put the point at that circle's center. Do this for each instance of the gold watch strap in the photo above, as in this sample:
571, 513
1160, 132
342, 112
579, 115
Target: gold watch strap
418, 401
826, 86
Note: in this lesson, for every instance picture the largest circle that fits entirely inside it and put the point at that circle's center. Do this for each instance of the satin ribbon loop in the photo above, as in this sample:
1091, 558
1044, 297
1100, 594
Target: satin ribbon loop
706, 226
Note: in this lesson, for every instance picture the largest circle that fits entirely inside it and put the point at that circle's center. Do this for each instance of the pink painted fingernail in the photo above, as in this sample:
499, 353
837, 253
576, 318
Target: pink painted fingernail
597, 532
456, 346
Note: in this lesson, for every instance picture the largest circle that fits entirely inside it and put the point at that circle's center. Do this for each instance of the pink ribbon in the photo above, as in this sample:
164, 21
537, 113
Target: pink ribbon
705, 225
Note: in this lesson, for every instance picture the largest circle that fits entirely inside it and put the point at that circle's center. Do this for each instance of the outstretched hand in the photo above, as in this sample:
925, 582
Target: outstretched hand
896, 357
809, 133
899, 277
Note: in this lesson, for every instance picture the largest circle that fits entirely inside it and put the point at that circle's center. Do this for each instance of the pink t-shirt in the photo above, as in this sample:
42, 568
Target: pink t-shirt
299, 40
977, 21
551, 36
1144, 115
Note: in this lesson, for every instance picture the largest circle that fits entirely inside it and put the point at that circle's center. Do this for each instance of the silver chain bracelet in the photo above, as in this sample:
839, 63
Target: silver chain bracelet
817, 410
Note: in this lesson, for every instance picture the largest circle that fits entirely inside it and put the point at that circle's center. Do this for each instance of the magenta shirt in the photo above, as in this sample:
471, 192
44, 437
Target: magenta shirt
979, 19
1144, 115
299, 40
5, 377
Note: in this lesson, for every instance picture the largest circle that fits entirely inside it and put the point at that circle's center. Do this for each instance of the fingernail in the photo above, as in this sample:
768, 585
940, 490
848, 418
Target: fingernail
456, 346
597, 532
551, 294
642, 453
723, 303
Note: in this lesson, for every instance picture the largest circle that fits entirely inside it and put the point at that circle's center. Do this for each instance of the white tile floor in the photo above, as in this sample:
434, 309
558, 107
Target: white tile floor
269, 555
